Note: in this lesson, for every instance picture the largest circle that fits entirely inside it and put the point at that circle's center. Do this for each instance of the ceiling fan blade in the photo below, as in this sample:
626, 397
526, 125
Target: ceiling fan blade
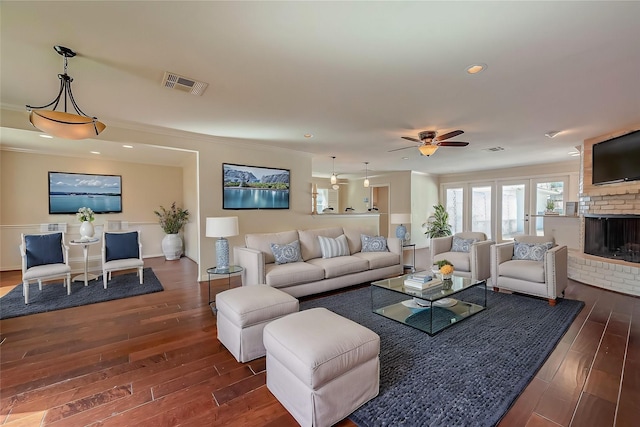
453, 144
398, 149
412, 139
449, 135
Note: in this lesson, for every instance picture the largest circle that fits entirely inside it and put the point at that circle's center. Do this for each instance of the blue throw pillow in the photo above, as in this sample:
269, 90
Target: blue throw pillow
530, 251
285, 254
373, 243
43, 249
121, 245
462, 245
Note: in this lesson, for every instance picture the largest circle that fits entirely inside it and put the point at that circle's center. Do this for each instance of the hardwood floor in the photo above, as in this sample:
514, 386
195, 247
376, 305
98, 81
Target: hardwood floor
154, 360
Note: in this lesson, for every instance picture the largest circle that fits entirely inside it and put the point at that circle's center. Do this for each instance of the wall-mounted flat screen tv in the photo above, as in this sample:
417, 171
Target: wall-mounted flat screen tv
68, 192
254, 187
617, 159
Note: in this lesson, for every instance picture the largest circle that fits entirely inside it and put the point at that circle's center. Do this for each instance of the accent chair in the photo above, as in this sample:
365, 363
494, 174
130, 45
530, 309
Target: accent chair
121, 251
532, 265
469, 252
44, 257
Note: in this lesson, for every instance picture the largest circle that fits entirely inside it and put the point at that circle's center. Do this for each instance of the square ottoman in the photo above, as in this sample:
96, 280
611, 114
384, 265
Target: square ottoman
321, 366
244, 312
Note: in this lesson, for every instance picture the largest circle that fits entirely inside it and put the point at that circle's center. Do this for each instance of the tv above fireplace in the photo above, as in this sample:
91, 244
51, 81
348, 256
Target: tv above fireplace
617, 159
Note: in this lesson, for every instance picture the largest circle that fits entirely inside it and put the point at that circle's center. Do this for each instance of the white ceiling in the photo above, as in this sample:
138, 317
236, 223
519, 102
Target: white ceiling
357, 75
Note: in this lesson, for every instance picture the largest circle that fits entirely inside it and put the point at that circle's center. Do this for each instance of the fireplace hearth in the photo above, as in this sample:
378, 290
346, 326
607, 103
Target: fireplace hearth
613, 236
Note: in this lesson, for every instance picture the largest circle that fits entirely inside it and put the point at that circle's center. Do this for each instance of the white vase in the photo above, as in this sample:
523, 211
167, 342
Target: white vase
86, 229
172, 246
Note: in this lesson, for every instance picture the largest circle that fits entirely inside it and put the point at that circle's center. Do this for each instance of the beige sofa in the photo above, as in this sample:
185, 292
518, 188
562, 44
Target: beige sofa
315, 274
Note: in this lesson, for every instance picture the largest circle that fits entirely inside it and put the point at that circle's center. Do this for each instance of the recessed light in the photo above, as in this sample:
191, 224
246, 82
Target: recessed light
94, 152
476, 68
405, 158
552, 134
45, 136
127, 146
308, 135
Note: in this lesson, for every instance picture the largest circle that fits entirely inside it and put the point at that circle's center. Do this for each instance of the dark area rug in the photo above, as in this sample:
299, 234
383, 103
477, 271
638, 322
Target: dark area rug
54, 295
467, 375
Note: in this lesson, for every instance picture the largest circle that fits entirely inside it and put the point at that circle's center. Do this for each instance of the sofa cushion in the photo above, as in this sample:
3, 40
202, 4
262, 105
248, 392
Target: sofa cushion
309, 244
340, 266
530, 251
532, 271
460, 260
379, 259
373, 243
262, 242
295, 273
332, 248
43, 249
121, 246
284, 254
461, 245
354, 240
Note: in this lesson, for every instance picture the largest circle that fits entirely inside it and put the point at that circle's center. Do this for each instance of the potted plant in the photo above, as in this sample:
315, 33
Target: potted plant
438, 224
550, 206
172, 220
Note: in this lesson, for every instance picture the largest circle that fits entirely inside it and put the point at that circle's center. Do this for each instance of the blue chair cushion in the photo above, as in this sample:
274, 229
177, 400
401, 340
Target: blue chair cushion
121, 245
43, 249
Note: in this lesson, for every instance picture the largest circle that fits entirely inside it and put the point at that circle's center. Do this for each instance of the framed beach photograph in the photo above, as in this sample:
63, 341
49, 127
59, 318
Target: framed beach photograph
254, 187
69, 191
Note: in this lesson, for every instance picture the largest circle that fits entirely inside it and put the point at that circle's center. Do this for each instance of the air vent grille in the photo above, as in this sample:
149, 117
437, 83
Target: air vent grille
494, 149
183, 84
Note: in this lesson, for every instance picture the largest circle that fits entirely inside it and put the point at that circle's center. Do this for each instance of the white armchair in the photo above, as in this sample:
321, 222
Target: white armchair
44, 257
121, 251
469, 252
533, 265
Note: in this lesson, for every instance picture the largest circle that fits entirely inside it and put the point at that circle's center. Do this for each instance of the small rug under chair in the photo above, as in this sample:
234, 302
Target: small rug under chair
54, 295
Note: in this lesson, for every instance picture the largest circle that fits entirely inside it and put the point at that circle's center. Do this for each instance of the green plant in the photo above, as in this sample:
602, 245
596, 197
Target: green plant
442, 263
438, 225
550, 205
172, 220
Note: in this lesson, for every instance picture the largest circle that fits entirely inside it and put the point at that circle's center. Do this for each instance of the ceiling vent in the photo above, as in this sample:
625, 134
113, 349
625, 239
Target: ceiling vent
183, 84
494, 149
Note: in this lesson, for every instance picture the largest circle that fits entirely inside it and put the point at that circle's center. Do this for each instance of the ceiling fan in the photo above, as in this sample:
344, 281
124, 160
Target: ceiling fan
430, 141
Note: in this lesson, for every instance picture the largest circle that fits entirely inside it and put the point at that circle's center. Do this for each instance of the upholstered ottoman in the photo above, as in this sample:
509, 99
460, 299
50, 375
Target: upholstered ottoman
321, 366
244, 312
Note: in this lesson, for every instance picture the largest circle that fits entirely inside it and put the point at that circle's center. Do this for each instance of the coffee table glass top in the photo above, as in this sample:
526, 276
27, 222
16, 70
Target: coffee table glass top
430, 310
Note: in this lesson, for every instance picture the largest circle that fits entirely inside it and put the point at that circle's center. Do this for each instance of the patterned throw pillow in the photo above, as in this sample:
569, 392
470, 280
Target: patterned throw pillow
285, 254
531, 251
462, 245
373, 243
334, 247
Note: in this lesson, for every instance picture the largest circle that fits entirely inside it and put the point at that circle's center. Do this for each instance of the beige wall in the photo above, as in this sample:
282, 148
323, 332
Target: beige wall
424, 195
24, 200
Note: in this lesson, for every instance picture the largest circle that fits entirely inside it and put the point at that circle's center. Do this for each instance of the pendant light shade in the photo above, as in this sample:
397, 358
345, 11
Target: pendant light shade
366, 175
427, 149
62, 123
334, 178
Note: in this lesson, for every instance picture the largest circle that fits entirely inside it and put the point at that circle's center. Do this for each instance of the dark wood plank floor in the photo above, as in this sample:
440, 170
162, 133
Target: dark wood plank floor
154, 360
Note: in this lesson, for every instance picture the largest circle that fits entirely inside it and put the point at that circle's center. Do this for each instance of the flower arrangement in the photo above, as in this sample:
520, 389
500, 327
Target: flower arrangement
445, 266
172, 220
85, 214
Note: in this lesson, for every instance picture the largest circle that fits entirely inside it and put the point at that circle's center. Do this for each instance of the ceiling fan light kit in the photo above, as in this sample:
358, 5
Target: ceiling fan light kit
61, 123
427, 150
430, 141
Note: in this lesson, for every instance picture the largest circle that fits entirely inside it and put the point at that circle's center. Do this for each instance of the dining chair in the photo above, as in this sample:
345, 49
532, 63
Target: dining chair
121, 251
44, 257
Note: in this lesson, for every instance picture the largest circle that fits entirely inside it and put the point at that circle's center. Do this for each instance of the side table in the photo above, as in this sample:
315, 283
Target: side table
215, 271
85, 250
413, 266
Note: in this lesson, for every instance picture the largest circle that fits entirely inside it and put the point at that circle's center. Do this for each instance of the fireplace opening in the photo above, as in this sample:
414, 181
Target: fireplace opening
613, 236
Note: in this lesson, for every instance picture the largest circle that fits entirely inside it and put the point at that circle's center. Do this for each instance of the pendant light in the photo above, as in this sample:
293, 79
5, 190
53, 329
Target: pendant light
334, 178
61, 123
366, 175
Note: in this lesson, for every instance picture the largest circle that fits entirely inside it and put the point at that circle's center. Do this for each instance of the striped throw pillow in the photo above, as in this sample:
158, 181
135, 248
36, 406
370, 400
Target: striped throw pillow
334, 247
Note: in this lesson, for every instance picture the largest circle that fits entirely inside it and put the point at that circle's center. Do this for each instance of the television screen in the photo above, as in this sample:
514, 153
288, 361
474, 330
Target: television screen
617, 159
254, 187
68, 192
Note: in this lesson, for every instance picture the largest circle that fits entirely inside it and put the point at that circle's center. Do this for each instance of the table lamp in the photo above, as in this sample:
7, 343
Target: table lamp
401, 230
222, 227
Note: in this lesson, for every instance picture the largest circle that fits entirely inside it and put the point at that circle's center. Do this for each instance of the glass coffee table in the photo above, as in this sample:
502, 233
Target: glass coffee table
432, 309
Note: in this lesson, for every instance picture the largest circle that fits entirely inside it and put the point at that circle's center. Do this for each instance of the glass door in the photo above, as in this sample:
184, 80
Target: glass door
513, 210
481, 208
454, 205
548, 200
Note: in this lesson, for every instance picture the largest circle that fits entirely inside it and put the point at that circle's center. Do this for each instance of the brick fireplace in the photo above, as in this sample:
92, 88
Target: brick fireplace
608, 269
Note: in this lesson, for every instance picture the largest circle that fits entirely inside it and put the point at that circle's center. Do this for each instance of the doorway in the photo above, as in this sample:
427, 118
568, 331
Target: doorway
380, 200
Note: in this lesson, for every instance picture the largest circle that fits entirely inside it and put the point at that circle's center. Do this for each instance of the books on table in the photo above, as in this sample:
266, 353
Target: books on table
421, 281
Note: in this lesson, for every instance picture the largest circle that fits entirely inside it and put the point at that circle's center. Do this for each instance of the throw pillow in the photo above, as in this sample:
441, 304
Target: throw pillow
462, 245
43, 249
285, 254
530, 251
121, 245
373, 243
332, 248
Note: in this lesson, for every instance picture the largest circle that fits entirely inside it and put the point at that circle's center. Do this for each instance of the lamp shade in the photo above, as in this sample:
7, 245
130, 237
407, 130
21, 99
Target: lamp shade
222, 226
427, 150
400, 218
65, 125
